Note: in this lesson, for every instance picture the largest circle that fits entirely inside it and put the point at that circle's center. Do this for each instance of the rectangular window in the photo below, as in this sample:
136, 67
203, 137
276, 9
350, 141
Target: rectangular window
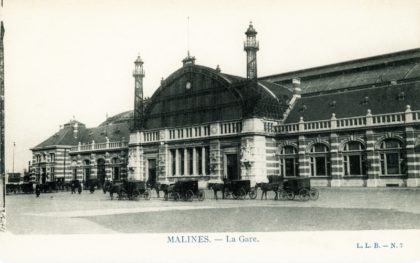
320, 166
52, 170
383, 171
355, 165
75, 174
181, 161
199, 160
207, 156
173, 162
190, 161
290, 166
392, 163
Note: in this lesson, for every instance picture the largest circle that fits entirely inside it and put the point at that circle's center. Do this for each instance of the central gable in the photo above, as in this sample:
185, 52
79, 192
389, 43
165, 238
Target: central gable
193, 95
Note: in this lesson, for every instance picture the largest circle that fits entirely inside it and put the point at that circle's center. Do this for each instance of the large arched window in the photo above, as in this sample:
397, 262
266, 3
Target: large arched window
289, 161
354, 158
320, 164
392, 157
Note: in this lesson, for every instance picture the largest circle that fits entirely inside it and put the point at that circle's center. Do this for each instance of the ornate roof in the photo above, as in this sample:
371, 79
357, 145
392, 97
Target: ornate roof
354, 74
196, 94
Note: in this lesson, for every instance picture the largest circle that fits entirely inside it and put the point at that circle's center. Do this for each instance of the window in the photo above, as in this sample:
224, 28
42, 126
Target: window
116, 171
74, 173
181, 161
190, 161
86, 169
173, 162
199, 160
289, 161
207, 158
52, 157
320, 160
392, 158
354, 158
52, 174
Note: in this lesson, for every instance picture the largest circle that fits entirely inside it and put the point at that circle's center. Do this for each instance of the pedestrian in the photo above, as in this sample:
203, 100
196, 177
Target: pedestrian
37, 190
91, 188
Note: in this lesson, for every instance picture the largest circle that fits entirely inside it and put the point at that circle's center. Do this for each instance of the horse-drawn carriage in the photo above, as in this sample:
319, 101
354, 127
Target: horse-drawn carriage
298, 187
131, 190
184, 190
239, 189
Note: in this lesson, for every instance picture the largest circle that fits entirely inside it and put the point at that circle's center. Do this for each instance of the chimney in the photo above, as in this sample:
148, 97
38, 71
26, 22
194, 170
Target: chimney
297, 91
75, 130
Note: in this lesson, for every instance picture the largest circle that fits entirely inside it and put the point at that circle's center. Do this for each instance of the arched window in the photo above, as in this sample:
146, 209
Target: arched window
289, 161
320, 160
354, 158
392, 157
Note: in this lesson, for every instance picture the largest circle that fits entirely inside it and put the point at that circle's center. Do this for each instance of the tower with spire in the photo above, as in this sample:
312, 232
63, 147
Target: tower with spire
251, 46
138, 75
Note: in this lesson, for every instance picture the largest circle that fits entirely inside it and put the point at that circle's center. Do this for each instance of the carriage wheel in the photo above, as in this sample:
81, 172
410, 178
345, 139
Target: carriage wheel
253, 193
290, 195
166, 197
176, 196
304, 194
189, 196
147, 194
200, 195
121, 194
282, 195
314, 194
135, 195
242, 194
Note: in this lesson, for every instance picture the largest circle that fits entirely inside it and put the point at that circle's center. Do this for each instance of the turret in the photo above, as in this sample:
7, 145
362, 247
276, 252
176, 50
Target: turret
251, 46
138, 75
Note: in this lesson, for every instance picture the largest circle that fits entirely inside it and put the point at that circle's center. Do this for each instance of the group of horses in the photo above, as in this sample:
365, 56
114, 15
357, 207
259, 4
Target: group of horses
225, 188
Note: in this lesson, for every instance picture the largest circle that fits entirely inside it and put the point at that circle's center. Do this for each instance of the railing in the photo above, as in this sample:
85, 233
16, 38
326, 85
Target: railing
347, 123
99, 146
230, 127
351, 122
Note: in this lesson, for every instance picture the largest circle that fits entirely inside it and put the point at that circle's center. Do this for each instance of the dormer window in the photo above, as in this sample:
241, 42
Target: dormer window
365, 101
332, 104
401, 95
303, 108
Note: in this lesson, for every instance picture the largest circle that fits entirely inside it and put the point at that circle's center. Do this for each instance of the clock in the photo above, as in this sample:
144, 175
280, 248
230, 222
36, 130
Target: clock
188, 85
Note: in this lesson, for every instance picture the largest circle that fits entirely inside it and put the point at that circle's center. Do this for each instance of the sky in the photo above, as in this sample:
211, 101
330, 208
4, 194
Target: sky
66, 59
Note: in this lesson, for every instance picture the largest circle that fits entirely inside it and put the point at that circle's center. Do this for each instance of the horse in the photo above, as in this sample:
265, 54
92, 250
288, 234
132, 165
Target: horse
216, 187
157, 186
115, 188
107, 184
265, 187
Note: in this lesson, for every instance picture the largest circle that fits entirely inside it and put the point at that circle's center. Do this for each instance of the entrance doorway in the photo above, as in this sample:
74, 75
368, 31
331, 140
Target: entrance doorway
151, 172
232, 171
101, 172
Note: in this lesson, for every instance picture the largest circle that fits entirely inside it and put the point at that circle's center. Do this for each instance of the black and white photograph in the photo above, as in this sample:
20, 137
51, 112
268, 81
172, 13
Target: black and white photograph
214, 131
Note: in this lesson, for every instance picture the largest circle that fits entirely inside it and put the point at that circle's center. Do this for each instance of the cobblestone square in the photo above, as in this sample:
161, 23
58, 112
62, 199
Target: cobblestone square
336, 209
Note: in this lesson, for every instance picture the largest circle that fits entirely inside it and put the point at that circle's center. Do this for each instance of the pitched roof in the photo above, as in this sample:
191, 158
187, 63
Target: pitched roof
383, 69
380, 100
116, 128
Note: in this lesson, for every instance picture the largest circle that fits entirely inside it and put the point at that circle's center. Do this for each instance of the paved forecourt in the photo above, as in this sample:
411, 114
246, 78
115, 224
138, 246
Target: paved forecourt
64, 213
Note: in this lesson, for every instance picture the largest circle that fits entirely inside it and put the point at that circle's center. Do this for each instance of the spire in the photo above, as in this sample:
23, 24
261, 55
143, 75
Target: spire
138, 74
188, 59
251, 46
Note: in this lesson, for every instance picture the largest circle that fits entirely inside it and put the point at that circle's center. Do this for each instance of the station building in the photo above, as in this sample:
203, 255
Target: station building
355, 123
77, 152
